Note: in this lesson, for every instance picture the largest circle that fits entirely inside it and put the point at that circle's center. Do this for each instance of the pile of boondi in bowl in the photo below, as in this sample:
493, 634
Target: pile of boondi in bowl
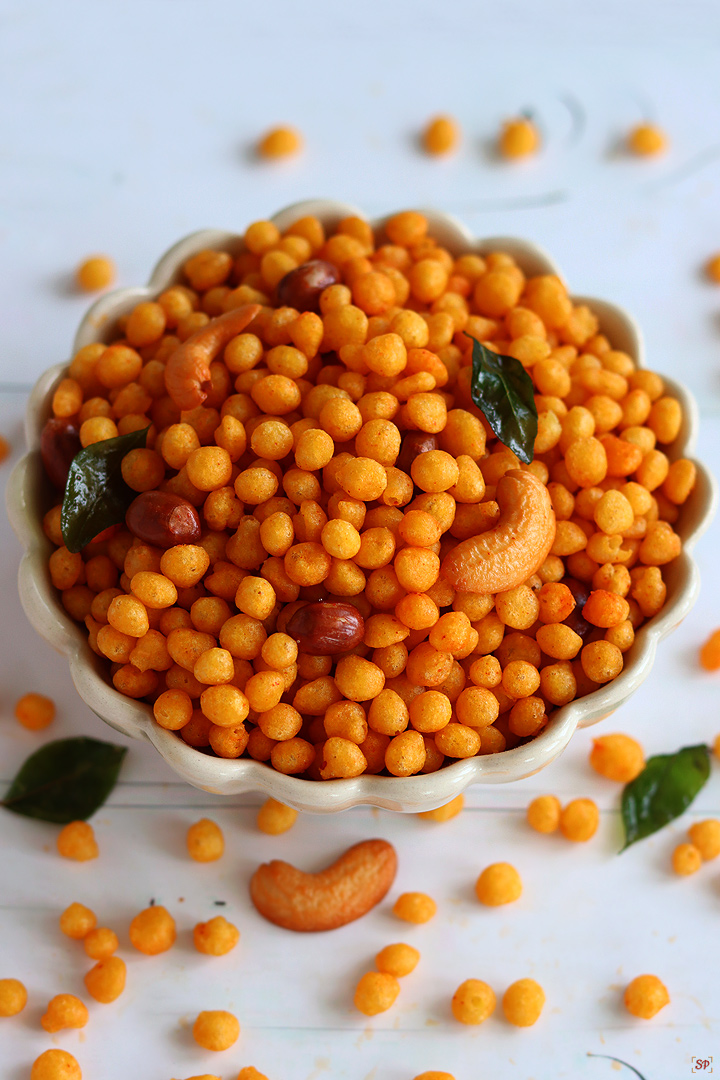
331, 563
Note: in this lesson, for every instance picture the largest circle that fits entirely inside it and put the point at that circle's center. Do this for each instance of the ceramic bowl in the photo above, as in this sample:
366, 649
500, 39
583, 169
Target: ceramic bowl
28, 497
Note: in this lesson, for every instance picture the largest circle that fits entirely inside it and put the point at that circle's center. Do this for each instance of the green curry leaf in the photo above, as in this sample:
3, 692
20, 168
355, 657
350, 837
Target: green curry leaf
663, 791
502, 389
66, 780
96, 496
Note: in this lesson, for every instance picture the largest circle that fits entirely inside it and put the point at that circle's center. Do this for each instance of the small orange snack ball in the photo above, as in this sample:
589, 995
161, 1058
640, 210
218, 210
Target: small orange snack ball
435, 471
646, 140
280, 142
617, 757
579, 820
100, 943
441, 136
601, 661
152, 931
205, 842
35, 711
523, 1002
435, 1074
712, 268
209, 468
64, 1011
415, 907
216, 936
397, 960
473, 1002
543, 813
106, 981
710, 652
55, 1065
705, 835
446, 812
376, 992
95, 273
518, 138
358, 679
13, 997
77, 920
645, 996
275, 818
686, 859
498, 884
77, 841
216, 1030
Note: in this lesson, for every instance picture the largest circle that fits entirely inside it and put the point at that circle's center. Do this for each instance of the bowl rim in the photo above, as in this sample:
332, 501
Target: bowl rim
231, 776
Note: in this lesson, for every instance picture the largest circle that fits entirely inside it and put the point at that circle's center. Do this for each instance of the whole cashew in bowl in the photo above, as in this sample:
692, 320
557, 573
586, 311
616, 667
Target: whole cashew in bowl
189, 366
506, 555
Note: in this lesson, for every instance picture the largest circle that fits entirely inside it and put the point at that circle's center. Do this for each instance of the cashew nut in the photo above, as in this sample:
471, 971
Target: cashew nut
343, 892
189, 366
505, 556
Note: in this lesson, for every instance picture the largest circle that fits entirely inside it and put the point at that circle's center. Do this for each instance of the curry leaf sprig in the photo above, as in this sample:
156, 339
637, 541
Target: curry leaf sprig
96, 496
663, 791
66, 780
503, 391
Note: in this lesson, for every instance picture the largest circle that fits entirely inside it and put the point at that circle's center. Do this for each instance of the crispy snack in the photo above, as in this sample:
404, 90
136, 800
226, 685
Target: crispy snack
338, 895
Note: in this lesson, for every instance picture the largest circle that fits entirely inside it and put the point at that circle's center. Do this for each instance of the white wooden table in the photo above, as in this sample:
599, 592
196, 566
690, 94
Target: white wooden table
131, 126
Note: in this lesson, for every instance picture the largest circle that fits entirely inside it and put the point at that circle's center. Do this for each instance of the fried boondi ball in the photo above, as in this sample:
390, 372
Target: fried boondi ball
205, 841
106, 981
523, 1002
216, 936
543, 813
77, 841
35, 711
55, 1065
446, 812
100, 943
645, 996
647, 140
216, 1030
473, 1002
152, 931
705, 835
77, 921
617, 757
498, 884
398, 960
415, 907
686, 859
376, 992
95, 273
274, 817
579, 820
13, 997
64, 1011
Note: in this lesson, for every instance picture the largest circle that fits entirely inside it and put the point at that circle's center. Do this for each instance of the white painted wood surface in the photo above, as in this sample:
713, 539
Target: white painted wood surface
123, 127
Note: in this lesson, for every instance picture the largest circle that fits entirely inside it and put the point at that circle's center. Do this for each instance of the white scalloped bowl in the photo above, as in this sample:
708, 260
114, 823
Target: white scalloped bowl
27, 500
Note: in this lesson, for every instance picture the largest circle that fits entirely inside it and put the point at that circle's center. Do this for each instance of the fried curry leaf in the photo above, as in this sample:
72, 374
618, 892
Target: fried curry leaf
96, 496
502, 389
66, 780
663, 791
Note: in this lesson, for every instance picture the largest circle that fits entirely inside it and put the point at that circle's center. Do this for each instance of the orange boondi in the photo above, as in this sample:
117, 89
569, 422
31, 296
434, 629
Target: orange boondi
331, 565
